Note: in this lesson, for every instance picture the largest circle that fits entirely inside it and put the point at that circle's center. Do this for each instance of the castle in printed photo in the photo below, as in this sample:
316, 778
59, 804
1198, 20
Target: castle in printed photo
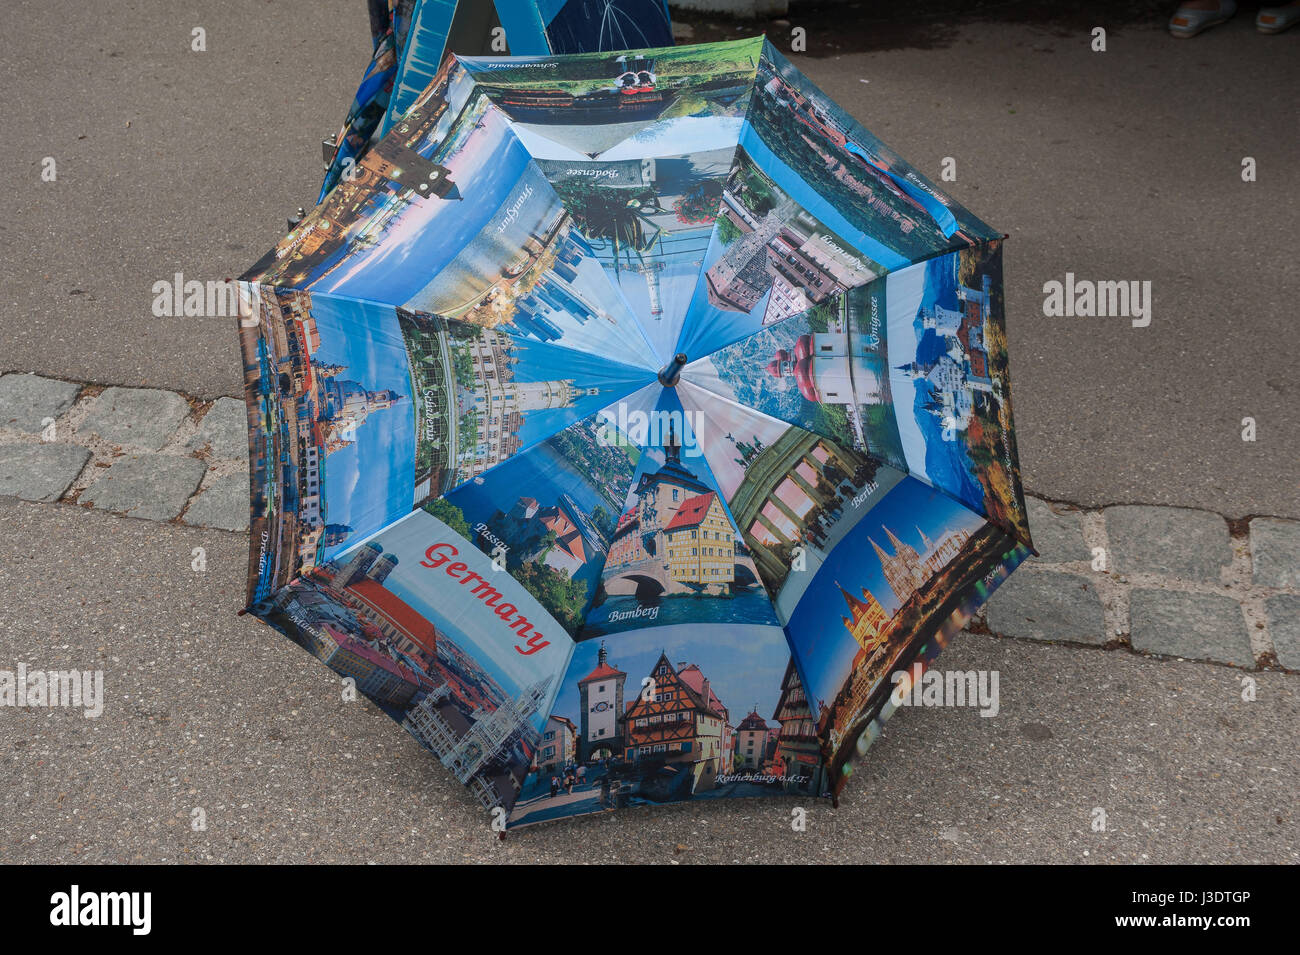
958, 376
947, 344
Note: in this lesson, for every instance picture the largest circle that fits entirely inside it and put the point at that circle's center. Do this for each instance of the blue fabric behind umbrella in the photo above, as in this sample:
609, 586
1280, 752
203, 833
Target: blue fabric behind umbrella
411, 39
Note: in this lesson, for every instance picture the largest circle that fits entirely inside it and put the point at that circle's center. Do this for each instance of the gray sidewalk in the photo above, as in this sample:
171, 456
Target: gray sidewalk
211, 712
1189, 761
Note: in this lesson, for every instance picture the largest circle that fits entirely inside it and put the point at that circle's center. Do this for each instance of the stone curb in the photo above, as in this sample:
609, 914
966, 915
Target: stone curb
141, 452
1163, 581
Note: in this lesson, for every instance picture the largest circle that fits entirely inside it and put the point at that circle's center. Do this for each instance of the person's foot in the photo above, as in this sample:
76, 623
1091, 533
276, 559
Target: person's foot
1277, 19
1197, 16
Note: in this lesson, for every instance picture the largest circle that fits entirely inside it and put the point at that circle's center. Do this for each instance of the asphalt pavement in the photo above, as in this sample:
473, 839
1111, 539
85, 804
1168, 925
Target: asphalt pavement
211, 712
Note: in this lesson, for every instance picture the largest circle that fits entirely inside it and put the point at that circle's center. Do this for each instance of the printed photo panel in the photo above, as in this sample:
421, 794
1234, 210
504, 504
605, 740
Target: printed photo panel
948, 362
482, 396
676, 555
365, 238
914, 677
548, 515
533, 28
533, 273
793, 494
669, 714
769, 259
440, 639
906, 565
803, 131
825, 370
327, 390
589, 104
648, 221
361, 412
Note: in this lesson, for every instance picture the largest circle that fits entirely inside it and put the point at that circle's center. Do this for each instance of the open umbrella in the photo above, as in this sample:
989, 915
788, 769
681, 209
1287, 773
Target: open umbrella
412, 37
632, 428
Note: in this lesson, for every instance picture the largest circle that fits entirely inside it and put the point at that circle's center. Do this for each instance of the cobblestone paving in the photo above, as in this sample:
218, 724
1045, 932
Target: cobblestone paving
1169, 581
140, 452
1165, 581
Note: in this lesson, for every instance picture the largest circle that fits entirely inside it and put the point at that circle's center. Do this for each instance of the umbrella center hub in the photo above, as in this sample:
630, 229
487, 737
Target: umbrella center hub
672, 371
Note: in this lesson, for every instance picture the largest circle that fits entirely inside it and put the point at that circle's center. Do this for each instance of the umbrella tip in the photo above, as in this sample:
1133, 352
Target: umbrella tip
671, 372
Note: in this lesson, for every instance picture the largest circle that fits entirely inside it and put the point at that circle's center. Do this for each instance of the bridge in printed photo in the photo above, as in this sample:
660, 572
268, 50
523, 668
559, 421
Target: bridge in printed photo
650, 577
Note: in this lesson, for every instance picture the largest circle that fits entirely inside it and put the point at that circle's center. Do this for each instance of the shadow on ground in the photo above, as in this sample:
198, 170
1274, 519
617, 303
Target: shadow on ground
835, 28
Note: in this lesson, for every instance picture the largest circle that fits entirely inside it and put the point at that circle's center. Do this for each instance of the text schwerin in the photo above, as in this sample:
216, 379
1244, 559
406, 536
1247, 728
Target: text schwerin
947, 688
67, 688
75, 907
1084, 298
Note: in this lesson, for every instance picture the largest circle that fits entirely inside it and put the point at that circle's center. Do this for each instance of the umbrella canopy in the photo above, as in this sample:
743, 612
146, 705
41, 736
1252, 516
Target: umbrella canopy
627, 427
412, 37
